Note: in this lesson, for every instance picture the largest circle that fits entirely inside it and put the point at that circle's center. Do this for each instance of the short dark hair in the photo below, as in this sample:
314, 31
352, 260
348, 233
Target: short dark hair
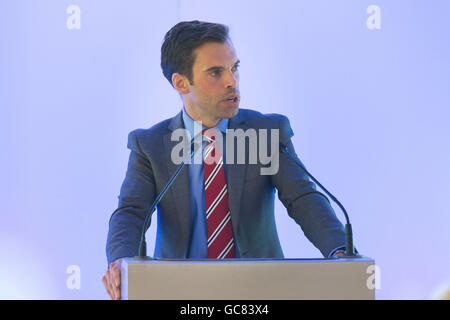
181, 41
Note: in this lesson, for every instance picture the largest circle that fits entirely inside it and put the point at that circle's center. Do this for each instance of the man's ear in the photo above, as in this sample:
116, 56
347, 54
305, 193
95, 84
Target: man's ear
181, 83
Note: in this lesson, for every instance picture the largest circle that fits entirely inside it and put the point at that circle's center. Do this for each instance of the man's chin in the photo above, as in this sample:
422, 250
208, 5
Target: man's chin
230, 113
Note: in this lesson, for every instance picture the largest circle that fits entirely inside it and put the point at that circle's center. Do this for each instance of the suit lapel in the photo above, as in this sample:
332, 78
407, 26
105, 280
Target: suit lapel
180, 188
235, 177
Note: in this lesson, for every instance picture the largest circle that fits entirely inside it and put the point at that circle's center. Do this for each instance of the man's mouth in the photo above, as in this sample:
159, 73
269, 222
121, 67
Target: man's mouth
232, 102
233, 98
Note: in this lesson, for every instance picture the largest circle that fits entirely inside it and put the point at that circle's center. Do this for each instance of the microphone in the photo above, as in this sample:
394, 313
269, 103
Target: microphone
142, 243
349, 250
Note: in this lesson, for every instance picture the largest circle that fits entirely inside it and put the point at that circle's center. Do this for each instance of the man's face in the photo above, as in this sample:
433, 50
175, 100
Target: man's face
214, 93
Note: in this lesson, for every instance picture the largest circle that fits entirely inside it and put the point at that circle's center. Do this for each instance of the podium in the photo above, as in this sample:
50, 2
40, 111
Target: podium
247, 279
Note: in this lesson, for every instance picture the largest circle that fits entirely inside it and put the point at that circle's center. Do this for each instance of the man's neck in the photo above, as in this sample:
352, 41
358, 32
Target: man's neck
208, 123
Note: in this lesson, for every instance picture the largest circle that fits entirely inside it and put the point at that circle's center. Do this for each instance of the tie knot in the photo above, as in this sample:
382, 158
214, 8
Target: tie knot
210, 134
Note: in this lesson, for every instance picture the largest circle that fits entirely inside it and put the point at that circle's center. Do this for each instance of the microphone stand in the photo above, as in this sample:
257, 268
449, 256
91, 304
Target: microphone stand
142, 244
349, 248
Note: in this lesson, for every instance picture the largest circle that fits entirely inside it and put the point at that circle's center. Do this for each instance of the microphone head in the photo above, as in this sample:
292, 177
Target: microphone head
283, 147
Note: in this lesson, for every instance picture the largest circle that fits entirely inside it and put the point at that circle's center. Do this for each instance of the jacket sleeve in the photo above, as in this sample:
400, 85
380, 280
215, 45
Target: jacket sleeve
309, 208
136, 196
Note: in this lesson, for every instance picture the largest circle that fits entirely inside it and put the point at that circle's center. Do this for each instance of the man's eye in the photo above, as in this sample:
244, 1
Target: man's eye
214, 73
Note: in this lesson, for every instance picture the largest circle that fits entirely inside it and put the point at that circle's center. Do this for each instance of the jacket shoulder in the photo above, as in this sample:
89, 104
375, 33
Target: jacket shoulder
158, 129
146, 139
257, 119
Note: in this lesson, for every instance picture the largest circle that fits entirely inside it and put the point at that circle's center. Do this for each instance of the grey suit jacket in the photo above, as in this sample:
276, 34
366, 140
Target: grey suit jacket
251, 197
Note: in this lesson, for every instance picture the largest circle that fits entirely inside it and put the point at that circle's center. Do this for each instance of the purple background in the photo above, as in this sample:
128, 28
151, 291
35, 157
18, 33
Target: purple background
369, 108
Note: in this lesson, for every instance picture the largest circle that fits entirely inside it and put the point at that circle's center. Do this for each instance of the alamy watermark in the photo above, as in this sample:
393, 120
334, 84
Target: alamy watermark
373, 22
374, 278
74, 279
74, 19
250, 146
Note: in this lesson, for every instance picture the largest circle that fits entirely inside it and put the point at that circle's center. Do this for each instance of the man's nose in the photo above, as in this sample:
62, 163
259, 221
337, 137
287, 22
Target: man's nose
231, 79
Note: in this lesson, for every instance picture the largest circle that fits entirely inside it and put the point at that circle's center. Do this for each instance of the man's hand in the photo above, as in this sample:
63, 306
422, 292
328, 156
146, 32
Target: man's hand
338, 253
111, 279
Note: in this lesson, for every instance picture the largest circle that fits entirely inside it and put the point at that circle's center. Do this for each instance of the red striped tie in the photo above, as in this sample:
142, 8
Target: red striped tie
218, 218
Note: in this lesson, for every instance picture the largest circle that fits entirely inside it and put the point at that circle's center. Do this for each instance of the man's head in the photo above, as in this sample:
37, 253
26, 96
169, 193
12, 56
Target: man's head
199, 60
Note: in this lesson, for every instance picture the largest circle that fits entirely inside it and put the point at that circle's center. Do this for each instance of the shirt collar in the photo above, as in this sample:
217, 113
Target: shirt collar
188, 122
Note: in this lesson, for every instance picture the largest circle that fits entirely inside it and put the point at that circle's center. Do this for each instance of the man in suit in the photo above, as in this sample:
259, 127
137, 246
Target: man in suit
200, 62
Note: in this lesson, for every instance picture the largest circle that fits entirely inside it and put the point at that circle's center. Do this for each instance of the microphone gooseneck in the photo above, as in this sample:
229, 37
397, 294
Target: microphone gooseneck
349, 247
142, 243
